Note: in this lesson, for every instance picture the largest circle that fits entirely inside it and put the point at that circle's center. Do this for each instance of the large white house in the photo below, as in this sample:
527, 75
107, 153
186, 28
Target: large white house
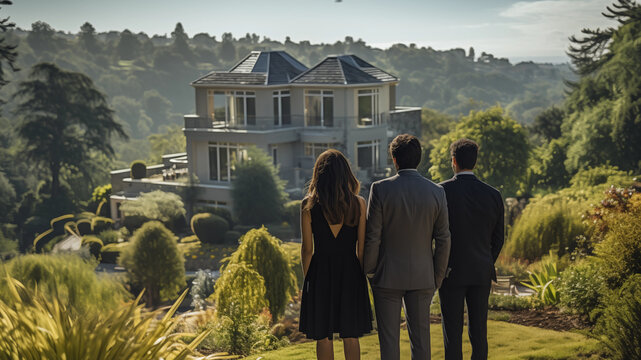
274, 102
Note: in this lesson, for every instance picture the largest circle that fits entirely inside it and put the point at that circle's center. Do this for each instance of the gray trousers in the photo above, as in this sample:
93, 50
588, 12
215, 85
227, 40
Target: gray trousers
416, 303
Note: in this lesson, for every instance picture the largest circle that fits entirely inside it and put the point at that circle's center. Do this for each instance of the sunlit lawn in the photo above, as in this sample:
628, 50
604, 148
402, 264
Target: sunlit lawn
507, 341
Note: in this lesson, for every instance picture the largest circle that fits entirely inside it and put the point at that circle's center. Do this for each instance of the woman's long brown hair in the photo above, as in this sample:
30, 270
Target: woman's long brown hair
335, 188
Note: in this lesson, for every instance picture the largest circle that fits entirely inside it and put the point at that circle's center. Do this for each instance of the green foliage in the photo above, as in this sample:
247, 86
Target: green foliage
110, 253
618, 328
36, 326
581, 287
543, 283
109, 236
548, 123
100, 199
201, 288
257, 191
154, 262
600, 175
7, 198
8, 247
239, 292
65, 121
155, 205
513, 303
138, 169
66, 278
620, 251
170, 142
552, 222
263, 252
209, 228
547, 169
503, 153
292, 215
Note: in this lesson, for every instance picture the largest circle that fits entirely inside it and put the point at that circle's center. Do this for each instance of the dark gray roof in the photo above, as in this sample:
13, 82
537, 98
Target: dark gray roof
343, 70
257, 68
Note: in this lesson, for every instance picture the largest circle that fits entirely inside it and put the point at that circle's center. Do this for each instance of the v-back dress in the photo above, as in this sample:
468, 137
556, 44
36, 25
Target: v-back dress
335, 296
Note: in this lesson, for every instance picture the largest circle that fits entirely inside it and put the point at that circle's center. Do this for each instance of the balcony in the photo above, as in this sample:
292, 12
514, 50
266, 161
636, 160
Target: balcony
262, 123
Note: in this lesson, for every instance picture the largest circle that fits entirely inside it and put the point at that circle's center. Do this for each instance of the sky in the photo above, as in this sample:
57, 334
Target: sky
535, 30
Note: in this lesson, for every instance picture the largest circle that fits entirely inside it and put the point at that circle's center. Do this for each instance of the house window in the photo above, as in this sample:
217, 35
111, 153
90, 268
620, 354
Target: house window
367, 153
282, 108
275, 155
223, 158
368, 107
232, 107
315, 149
319, 108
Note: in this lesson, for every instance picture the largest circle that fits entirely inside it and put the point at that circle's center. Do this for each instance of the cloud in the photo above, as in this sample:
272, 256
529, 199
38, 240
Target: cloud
545, 25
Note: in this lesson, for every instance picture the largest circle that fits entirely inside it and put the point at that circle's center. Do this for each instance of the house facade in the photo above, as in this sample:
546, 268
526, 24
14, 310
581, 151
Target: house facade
272, 101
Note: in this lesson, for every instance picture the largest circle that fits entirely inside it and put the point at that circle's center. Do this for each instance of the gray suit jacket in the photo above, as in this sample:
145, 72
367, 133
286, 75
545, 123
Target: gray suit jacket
405, 212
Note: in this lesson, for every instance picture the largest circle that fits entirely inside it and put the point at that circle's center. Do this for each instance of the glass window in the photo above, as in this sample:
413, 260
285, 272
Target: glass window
223, 158
282, 108
216, 105
319, 108
315, 149
368, 107
367, 154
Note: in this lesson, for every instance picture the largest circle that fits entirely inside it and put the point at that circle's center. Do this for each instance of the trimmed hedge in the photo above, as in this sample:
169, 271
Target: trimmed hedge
209, 228
138, 170
94, 244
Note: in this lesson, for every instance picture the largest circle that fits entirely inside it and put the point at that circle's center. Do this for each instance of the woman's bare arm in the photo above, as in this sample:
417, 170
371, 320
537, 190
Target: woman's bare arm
360, 245
307, 248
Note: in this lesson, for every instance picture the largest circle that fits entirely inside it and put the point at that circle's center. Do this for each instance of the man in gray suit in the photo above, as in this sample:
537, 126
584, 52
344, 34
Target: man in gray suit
405, 212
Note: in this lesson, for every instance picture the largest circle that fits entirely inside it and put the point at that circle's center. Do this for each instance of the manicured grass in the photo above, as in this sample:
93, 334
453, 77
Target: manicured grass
507, 341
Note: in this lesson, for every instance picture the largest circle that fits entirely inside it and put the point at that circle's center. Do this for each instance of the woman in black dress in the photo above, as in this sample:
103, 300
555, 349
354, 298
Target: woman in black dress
335, 296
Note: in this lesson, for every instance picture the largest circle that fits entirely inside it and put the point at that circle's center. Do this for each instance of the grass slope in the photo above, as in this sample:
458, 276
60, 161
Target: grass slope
506, 341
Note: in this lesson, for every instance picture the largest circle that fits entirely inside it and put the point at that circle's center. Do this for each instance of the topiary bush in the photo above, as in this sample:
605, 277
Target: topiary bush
619, 328
263, 252
67, 277
165, 207
549, 223
94, 244
232, 237
222, 212
153, 261
209, 228
240, 291
138, 170
292, 215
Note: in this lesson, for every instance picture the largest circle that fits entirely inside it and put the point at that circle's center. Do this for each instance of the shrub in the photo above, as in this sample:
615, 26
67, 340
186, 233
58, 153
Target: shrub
232, 237
201, 288
620, 251
209, 228
506, 265
619, 328
100, 199
549, 223
222, 212
154, 262
138, 169
100, 224
36, 326
110, 253
581, 287
293, 250
156, 205
67, 278
94, 244
264, 253
292, 215
239, 292
512, 303
257, 191
8, 247
109, 236
600, 175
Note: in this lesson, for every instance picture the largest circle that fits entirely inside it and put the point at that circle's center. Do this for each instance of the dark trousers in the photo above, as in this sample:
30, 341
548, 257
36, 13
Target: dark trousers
452, 298
416, 303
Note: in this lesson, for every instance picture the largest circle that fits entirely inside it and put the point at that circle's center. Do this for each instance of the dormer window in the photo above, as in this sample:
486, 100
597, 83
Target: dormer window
319, 108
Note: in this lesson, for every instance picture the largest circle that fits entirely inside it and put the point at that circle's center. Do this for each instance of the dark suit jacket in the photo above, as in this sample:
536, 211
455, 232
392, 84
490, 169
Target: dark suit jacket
405, 212
476, 218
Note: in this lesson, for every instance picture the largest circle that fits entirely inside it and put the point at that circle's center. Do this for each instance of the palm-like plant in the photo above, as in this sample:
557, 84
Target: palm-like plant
542, 283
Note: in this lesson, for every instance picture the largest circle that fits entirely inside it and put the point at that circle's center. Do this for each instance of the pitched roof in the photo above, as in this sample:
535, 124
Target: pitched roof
257, 68
343, 70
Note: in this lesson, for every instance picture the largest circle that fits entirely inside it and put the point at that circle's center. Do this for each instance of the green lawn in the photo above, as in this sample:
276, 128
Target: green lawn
507, 341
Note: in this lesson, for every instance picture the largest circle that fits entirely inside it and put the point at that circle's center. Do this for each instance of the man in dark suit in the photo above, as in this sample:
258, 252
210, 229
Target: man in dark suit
476, 224
405, 212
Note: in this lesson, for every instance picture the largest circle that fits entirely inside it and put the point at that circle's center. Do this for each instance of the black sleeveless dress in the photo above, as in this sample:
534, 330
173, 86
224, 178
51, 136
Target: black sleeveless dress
335, 296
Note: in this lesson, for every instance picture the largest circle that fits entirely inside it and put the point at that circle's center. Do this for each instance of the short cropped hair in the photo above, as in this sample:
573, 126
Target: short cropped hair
465, 151
406, 149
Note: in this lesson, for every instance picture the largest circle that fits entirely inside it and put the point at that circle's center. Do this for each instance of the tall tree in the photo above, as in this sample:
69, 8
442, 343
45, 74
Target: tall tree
180, 40
41, 37
64, 119
87, 38
8, 53
128, 46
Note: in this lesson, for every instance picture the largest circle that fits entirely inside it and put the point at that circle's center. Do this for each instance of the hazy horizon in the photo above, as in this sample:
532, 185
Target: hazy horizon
535, 30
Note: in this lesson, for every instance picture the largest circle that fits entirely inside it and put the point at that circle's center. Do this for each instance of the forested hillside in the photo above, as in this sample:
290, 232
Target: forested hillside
146, 77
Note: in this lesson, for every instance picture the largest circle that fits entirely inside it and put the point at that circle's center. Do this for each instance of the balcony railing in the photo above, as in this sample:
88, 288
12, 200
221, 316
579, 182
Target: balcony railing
268, 122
